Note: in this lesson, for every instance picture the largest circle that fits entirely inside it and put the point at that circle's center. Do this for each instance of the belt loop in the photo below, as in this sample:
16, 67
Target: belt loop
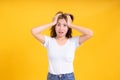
60, 75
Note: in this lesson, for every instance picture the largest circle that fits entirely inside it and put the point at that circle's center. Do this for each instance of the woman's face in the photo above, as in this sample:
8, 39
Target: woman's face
61, 28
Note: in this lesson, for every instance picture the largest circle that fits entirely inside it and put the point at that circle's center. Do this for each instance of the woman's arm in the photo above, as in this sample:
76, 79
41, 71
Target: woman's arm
86, 33
36, 32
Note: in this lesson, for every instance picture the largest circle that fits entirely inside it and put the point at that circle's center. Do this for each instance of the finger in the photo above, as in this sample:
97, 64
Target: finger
68, 17
58, 15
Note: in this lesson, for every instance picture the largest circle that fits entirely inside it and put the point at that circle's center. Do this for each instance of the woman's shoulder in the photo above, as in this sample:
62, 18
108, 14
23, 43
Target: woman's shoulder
48, 37
74, 38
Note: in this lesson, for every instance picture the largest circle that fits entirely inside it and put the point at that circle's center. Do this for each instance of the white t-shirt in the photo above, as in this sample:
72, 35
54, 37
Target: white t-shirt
61, 58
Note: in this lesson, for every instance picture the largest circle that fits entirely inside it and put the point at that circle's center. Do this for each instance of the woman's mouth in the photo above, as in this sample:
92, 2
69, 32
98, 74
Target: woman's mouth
61, 32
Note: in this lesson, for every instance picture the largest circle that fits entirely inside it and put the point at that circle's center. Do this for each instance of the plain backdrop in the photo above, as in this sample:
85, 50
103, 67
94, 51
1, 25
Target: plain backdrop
22, 57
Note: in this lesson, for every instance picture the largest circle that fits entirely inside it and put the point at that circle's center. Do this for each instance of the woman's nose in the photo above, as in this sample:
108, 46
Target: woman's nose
61, 27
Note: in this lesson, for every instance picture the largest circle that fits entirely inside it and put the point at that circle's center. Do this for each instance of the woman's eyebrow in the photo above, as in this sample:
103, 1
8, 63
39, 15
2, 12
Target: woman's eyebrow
58, 22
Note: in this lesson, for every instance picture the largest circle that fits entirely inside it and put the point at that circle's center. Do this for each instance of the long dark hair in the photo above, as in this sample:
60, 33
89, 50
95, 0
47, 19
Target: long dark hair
62, 16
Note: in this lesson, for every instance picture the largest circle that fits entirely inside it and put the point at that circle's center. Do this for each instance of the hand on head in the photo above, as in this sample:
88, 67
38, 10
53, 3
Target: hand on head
69, 18
55, 18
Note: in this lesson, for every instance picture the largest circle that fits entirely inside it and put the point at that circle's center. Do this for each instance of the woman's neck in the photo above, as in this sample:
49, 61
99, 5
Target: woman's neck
60, 38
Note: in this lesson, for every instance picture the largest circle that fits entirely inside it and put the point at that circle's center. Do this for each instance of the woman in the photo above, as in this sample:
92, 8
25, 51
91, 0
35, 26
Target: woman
61, 45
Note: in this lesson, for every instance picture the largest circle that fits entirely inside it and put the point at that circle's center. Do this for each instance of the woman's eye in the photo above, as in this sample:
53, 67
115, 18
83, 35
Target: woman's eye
58, 24
64, 25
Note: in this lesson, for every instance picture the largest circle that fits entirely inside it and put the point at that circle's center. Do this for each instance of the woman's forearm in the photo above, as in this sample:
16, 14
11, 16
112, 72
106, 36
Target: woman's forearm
41, 28
83, 30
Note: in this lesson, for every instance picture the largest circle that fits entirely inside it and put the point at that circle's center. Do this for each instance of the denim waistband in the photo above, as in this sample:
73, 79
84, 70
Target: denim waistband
67, 76
60, 75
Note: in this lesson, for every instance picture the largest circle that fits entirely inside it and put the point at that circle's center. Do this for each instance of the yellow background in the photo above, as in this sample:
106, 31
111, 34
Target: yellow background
23, 58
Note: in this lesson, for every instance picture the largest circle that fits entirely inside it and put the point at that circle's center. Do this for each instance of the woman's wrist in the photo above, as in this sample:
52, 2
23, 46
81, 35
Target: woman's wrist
70, 25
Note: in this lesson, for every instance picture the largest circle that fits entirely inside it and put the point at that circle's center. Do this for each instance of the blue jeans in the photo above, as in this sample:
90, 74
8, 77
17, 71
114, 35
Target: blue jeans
68, 76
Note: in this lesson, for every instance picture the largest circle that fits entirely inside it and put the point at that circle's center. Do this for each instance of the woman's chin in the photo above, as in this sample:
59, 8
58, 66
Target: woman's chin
61, 35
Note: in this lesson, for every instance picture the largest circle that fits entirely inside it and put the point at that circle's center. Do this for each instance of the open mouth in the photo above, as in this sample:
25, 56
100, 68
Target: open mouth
61, 32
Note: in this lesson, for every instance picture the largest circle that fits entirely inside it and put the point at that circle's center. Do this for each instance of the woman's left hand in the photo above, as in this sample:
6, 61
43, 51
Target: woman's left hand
69, 21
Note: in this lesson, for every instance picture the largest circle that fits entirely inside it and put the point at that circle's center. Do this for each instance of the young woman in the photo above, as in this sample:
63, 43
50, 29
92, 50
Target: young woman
61, 45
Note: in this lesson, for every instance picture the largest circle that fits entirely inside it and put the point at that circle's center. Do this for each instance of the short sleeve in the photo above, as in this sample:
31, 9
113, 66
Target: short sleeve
75, 40
47, 40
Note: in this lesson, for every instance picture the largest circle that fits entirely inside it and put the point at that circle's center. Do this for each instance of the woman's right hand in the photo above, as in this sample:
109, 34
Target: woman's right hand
55, 18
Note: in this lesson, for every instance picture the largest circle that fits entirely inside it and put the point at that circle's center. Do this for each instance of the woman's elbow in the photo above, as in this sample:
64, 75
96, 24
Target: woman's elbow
33, 31
90, 34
